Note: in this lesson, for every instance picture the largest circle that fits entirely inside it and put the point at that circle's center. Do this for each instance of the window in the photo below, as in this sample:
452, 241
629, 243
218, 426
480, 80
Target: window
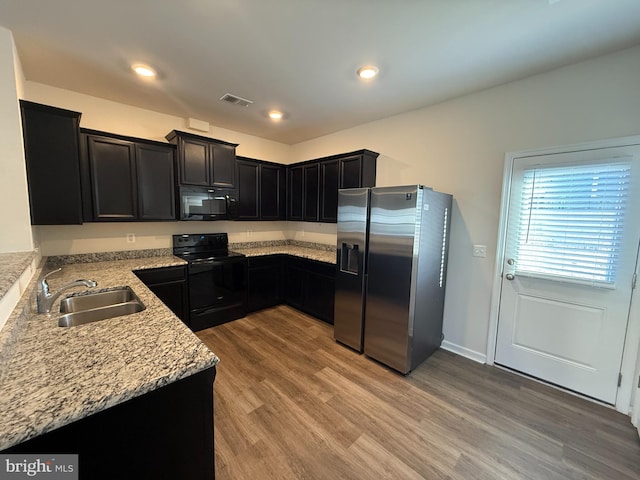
570, 221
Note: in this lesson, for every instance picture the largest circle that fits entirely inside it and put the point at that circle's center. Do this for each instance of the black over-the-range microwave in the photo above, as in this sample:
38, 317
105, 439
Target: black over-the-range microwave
208, 203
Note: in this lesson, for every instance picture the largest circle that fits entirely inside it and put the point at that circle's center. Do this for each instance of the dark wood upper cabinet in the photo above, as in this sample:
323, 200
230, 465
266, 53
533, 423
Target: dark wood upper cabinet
261, 190
295, 192
53, 164
204, 161
223, 165
127, 179
272, 192
248, 190
155, 172
193, 156
112, 172
358, 170
329, 182
313, 185
311, 192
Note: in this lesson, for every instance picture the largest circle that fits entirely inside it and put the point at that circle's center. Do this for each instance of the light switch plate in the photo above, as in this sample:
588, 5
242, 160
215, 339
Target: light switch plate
479, 251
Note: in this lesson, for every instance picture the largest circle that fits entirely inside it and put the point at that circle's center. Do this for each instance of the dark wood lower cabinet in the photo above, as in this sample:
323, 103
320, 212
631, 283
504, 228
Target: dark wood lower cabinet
170, 285
294, 279
301, 283
264, 285
310, 287
319, 292
164, 434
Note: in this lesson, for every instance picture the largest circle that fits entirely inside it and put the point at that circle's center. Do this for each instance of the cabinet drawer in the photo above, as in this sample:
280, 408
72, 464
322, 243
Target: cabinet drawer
264, 261
320, 268
161, 275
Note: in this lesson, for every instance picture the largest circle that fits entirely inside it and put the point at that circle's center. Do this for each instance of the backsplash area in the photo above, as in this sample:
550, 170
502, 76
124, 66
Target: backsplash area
55, 240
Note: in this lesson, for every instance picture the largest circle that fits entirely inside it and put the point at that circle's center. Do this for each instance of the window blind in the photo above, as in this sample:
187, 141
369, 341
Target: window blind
571, 221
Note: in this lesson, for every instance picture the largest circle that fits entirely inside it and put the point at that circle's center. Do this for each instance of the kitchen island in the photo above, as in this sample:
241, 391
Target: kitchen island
53, 378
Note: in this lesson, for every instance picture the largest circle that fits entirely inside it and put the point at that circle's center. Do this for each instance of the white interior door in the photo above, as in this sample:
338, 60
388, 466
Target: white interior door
572, 238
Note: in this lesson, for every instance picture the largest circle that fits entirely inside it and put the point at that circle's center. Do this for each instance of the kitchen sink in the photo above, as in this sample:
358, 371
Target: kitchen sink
88, 307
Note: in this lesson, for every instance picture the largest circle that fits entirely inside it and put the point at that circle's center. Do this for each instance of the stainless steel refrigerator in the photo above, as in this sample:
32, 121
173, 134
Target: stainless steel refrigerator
392, 248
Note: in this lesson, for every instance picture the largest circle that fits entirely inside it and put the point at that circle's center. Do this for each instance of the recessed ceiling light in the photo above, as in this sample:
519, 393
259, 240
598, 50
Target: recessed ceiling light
275, 115
143, 70
367, 72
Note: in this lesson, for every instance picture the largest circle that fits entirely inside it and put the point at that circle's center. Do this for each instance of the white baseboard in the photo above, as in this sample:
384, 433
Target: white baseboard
465, 352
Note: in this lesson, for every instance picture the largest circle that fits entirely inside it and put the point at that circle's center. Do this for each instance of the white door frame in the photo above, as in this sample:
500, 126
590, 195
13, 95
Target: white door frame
631, 345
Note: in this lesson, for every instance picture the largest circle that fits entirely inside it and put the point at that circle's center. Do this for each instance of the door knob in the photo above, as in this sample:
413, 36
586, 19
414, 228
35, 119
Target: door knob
510, 276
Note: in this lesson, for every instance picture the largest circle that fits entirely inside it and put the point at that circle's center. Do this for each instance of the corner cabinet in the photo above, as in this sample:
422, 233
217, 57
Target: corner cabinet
261, 190
126, 179
310, 286
204, 161
169, 284
304, 284
313, 185
53, 164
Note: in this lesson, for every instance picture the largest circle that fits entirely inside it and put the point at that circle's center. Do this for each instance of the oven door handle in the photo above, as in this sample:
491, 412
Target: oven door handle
205, 262
195, 267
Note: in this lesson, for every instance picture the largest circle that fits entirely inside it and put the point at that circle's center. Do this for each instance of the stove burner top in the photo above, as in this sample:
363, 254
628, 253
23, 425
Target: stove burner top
201, 257
202, 246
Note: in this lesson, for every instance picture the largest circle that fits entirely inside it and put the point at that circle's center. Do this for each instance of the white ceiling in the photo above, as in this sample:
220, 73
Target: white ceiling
300, 56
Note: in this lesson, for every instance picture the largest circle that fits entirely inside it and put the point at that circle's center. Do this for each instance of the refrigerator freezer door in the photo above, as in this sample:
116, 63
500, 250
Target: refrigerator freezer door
430, 270
388, 306
353, 211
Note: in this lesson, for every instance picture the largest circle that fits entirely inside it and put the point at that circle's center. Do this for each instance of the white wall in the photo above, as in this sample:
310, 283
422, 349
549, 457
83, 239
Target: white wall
15, 235
112, 237
459, 147
113, 117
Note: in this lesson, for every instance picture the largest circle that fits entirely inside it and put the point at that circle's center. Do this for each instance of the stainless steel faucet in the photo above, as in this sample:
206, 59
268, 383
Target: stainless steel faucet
45, 299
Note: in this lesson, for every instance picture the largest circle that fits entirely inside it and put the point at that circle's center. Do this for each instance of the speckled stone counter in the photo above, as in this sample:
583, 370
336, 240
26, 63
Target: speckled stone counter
312, 251
11, 266
52, 376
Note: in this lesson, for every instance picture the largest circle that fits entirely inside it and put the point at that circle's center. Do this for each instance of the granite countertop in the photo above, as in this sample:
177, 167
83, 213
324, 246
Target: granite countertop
12, 265
51, 376
318, 252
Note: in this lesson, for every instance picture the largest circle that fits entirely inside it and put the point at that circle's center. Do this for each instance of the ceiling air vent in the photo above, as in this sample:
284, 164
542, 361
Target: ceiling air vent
235, 100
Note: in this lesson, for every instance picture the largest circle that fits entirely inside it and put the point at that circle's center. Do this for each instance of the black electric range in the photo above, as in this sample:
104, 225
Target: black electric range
217, 279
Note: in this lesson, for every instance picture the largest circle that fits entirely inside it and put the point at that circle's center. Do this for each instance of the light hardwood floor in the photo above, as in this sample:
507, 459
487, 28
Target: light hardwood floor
291, 403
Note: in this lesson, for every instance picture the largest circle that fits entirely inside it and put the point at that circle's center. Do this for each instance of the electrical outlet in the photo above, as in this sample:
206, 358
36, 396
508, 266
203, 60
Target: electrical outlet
131, 238
479, 251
